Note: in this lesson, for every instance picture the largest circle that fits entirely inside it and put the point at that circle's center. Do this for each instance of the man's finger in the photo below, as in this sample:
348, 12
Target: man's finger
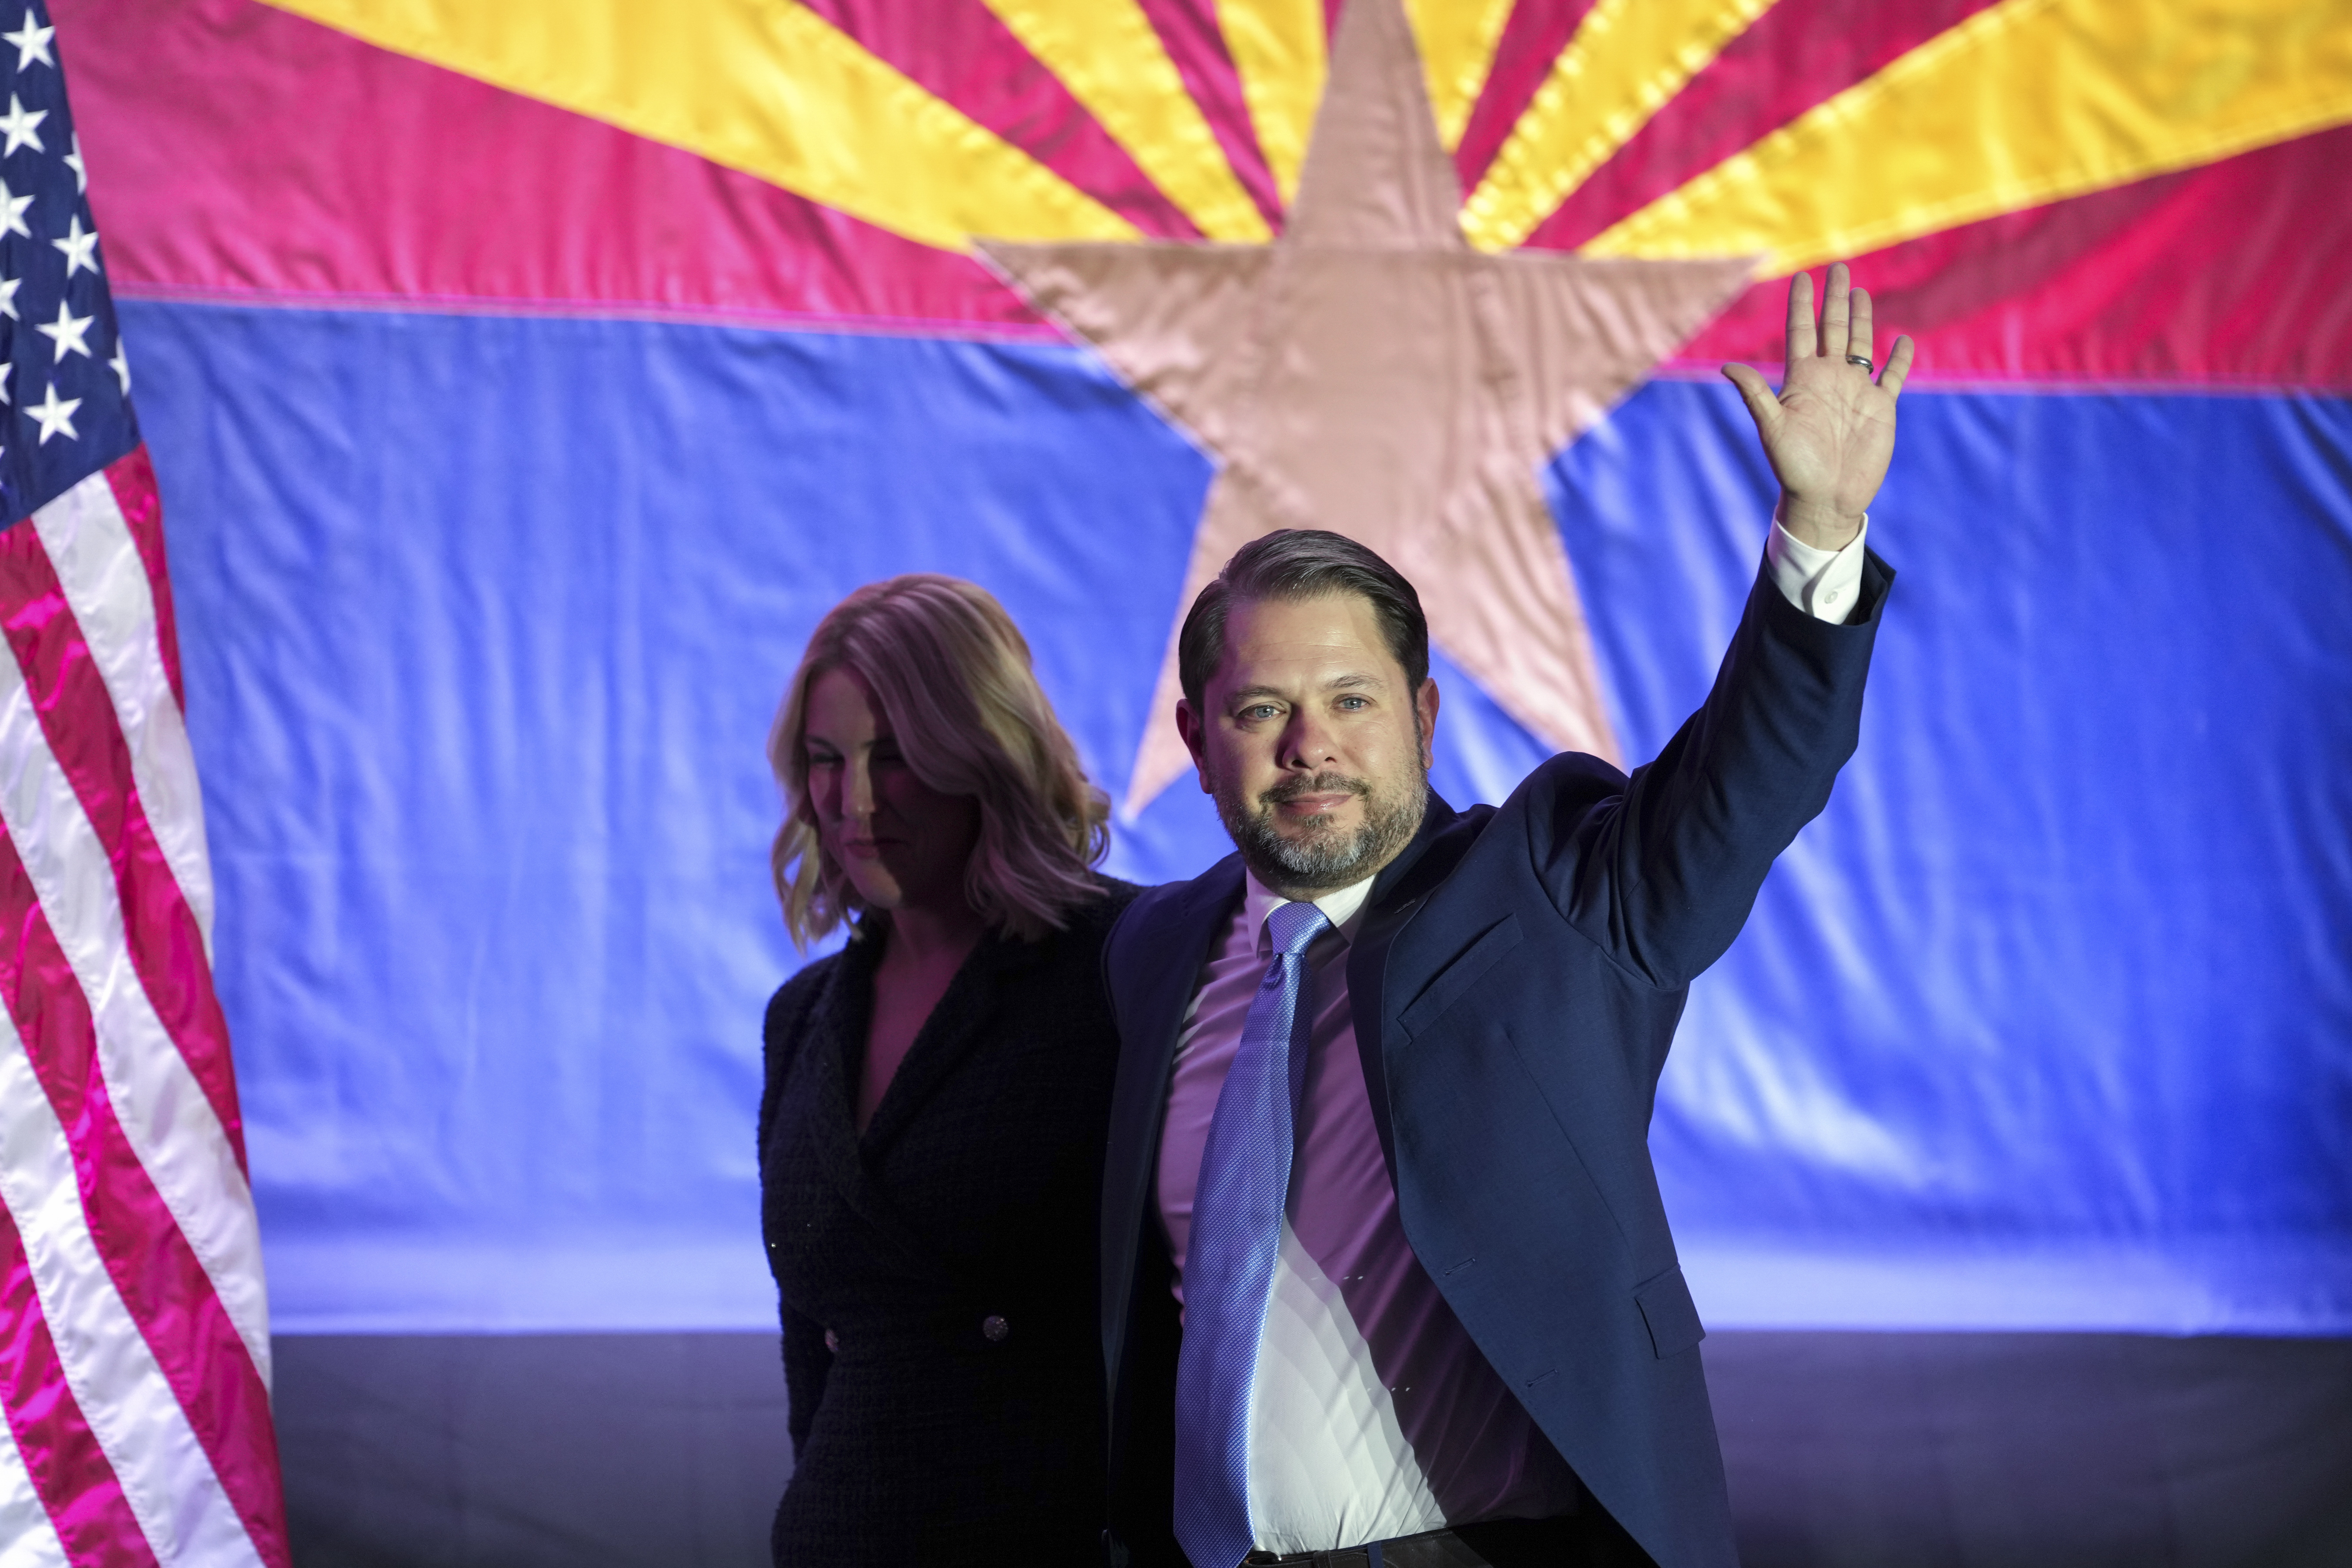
1898, 365
1799, 345
1833, 311
1857, 335
1756, 392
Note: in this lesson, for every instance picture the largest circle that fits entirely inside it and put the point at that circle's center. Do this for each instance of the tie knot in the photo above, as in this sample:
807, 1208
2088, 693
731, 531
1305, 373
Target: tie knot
1294, 927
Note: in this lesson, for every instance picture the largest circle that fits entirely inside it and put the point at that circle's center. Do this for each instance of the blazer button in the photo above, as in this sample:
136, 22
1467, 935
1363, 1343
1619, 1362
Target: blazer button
994, 1328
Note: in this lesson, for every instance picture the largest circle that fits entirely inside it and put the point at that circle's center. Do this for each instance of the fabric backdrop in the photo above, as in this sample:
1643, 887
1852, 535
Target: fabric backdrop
524, 382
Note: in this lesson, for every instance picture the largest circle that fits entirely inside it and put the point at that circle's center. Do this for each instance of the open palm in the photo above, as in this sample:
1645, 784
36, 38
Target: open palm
1829, 433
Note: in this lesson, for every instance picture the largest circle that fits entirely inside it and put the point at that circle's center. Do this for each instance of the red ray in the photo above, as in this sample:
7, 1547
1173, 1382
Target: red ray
1799, 54
239, 150
1533, 35
2229, 275
1189, 32
959, 51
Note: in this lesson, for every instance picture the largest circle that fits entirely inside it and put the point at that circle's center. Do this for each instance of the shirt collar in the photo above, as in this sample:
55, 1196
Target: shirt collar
1343, 907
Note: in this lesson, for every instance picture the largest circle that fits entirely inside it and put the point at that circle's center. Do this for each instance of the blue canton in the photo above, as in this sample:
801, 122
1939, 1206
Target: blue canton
66, 381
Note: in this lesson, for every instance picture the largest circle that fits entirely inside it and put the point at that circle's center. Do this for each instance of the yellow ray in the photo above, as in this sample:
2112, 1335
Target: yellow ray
1106, 54
1279, 54
766, 87
1457, 41
2027, 102
1627, 60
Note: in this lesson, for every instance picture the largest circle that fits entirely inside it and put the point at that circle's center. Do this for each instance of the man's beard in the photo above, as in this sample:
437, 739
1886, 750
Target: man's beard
1326, 858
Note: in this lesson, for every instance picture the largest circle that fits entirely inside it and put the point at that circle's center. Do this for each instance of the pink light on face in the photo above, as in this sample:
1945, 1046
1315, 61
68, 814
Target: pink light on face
900, 842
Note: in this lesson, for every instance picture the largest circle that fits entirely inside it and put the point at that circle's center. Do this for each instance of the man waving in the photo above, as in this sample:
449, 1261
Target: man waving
1386, 1275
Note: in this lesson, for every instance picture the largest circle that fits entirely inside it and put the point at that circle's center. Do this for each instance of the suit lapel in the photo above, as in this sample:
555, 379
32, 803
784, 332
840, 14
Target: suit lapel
1165, 958
1398, 894
1151, 972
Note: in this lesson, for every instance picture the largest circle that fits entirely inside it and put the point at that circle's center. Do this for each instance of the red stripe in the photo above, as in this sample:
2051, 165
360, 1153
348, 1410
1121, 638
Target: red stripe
961, 52
1799, 54
132, 479
238, 150
1532, 38
2230, 275
1189, 32
158, 1275
68, 1470
77, 719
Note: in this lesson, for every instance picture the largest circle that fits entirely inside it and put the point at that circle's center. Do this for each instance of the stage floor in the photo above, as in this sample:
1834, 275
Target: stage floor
1846, 1450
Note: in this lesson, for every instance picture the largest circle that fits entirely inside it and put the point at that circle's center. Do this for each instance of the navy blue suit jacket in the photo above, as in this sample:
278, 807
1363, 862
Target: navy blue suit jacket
1515, 983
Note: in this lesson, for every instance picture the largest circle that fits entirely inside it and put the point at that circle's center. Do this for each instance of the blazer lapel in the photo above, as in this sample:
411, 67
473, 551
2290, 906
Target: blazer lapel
839, 1022
948, 1036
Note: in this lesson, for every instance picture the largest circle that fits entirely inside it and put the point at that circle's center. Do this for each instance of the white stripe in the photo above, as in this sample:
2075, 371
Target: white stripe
163, 1469
97, 561
27, 1539
163, 1109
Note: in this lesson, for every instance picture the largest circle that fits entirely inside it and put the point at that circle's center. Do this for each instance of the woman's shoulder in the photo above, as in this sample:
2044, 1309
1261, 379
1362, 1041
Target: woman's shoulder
1076, 940
1112, 897
789, 1009
780, 1032
1087, 924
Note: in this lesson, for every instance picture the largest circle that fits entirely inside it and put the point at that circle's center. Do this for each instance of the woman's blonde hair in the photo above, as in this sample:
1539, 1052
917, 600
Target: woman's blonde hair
953, 676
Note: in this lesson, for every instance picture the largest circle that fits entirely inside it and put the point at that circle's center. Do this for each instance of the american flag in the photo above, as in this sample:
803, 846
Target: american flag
134, 1334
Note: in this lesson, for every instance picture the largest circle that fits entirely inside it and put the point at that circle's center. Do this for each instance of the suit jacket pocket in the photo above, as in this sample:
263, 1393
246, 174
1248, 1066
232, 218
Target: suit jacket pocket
1456, 978
1668, 1309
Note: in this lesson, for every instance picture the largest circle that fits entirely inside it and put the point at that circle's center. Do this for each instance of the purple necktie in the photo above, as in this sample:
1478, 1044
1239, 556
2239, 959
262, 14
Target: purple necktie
1235, 1236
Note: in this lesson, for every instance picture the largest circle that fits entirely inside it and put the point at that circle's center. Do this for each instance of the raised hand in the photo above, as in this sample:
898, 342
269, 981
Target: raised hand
1829, 434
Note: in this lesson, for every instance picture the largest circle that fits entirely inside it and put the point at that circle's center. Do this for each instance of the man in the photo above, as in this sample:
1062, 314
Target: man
1386, 1276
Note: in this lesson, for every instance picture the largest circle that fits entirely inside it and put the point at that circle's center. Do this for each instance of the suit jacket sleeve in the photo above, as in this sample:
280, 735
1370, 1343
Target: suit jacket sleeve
1661, 868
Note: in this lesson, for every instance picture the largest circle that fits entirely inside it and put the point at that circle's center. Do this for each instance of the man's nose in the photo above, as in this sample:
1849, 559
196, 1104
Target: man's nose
1307, 742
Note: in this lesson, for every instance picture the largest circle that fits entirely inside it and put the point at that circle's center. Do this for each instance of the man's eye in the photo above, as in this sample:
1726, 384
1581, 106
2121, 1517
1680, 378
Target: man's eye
1351, 704
1259, 711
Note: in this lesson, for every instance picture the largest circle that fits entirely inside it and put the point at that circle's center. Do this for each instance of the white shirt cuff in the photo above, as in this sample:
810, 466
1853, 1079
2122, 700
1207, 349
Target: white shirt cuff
1824, 583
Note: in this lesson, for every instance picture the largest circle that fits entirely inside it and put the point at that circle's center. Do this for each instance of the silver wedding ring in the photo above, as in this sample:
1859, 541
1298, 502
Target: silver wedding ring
1867, 368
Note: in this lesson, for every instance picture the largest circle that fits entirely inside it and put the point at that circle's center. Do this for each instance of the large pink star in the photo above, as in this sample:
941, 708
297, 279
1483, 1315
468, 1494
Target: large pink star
1369, 373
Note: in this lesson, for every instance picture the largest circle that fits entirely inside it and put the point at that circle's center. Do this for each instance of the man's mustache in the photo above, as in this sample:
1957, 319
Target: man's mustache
1315, 783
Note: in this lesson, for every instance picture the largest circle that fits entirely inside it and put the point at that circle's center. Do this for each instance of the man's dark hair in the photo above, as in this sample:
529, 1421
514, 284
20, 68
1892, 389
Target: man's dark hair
1294, 563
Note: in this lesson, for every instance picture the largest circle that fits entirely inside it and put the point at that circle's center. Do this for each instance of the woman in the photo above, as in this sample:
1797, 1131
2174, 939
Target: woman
931, 1132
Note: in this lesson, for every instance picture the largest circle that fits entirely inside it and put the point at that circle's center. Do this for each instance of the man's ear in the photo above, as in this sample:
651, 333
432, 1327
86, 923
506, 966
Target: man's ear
1424, 710
1196, 738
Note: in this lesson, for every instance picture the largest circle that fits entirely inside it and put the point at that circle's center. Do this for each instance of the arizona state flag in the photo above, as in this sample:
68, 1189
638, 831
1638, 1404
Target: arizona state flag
525, 380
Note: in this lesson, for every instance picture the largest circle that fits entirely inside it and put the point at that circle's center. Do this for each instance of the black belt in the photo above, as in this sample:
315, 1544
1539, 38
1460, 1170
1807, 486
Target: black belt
1498, 1543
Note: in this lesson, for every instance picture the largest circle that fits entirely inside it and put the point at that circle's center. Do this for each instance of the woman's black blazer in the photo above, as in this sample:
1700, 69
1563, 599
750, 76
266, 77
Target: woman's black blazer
938, 1274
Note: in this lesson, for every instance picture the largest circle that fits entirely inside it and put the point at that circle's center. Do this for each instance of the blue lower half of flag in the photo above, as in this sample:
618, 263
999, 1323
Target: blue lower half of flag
2043, 1023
